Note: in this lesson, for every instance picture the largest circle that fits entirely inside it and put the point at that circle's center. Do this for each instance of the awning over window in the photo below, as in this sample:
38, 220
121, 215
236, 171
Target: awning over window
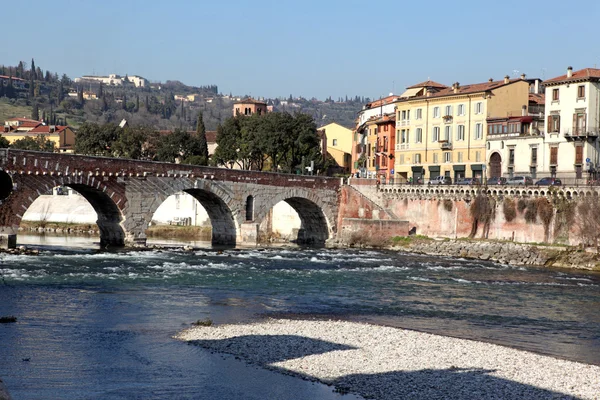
411, 92
476, 167
434, 168
458, 167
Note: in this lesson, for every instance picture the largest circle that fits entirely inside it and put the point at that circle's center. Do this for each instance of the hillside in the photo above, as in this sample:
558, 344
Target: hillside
164, 106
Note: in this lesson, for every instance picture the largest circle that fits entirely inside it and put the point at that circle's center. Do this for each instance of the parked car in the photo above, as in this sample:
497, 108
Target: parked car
497, 180
549, 182
520, 181
468, 181
441, 180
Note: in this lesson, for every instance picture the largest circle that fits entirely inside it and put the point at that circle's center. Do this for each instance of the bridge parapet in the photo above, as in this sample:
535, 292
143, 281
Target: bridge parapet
61, 164
461, 192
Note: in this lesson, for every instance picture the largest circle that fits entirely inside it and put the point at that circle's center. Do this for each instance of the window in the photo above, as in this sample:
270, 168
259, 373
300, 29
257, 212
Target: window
578, 154
334, 142
579, 123
553, 123
436, 134
460, 135
385, 144
404, 136
417, 158
436, 112
580, 92
478, 131
461, 109
401, 158
477, 156
511, 156
460, 156
554, 94
447, 133
419, 113
553, 155
404, 115
534, 156
448, 110
447, 156
419, 136
435, 158
479, 108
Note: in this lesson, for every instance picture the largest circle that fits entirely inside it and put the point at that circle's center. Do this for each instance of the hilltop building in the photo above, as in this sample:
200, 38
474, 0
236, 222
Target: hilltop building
249, 106
114, 80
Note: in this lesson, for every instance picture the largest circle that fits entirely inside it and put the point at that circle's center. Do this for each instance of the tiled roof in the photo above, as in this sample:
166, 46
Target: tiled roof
249, 100
537, 98
428, 83
29, 124
582, 74
46, 129
467, 89
382, 101
23, 120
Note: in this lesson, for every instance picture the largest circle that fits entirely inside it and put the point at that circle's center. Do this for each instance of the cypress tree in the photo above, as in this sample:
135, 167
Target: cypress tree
137, 102
33, 72
201, 131
35, 112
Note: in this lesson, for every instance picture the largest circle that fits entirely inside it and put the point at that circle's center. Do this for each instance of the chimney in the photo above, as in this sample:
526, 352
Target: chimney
427, 92
523, 111
523, 76
506, 79
52, 128
491, 80
536, 86
455, 87
570, 72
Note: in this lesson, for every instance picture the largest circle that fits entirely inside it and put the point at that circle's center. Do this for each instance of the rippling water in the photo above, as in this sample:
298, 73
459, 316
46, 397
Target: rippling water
98, 324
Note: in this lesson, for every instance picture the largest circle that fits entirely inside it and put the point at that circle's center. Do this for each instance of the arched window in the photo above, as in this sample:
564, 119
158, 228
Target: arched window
249, 208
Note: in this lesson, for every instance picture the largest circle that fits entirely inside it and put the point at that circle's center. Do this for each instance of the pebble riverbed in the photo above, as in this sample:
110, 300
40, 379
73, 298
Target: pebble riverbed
379, 362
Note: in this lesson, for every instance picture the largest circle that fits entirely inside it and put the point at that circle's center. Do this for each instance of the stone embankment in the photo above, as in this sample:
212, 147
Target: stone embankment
509, 253
388, 363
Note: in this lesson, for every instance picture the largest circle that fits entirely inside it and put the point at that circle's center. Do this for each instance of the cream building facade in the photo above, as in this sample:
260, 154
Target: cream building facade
442, 130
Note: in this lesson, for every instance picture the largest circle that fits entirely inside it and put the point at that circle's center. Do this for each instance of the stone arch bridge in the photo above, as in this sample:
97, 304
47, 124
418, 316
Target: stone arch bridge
126, 193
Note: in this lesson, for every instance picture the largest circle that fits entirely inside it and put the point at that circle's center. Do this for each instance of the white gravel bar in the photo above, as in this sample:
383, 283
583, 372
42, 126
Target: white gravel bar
389, 363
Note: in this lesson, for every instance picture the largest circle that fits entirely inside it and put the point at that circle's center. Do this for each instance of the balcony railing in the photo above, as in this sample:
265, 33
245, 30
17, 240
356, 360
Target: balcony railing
402, 146
446, 145
590, 132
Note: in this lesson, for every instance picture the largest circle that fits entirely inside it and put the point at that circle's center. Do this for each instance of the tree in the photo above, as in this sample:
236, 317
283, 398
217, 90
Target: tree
201, 137
100, 91
40, 143
4, 143
229, 137
35, 112
33, 71
130, 143
93, 139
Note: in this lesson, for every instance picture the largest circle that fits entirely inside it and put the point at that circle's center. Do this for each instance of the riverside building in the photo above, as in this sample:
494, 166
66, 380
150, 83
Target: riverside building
442, 130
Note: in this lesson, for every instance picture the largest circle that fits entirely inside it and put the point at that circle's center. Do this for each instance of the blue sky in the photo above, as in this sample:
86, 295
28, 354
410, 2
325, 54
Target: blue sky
308, 48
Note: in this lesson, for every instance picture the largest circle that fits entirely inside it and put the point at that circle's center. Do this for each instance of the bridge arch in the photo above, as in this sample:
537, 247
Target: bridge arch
317, 218
104, 200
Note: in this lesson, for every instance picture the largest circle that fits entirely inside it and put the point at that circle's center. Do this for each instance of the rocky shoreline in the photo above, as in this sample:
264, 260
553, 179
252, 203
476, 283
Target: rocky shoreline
508, 253
379, 362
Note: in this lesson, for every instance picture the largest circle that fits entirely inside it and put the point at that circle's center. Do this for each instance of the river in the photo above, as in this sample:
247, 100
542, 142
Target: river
98, 324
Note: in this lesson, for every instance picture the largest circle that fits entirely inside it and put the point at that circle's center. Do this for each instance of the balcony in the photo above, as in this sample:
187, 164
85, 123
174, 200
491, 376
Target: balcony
402, 146
447, 119
581, 133
446, 145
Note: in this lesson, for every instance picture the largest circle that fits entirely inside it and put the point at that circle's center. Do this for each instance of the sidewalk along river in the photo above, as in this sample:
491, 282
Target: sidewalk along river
95, 324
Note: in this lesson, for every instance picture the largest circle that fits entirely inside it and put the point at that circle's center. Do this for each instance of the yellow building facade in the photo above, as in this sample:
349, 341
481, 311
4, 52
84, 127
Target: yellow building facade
442, 130
339, 144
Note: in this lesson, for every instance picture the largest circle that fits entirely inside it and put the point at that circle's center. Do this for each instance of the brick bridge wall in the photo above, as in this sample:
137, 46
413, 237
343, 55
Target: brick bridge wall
126, 193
